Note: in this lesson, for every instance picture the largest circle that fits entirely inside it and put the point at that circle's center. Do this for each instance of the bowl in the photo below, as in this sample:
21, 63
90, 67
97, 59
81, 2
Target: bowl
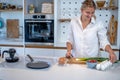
91, 64
100, 3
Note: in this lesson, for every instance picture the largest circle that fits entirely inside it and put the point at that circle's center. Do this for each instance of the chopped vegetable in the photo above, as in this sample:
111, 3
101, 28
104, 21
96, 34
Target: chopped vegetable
99, 59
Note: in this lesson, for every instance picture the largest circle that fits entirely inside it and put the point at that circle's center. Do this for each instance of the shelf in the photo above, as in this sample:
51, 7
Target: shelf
40, 13
63, 20
112, 8
11, 10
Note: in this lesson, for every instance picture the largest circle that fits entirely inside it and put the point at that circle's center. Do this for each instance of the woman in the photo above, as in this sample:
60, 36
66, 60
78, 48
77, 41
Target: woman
86, 35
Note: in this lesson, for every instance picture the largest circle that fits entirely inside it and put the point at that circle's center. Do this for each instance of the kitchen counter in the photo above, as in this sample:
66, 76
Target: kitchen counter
8, 41
18, 71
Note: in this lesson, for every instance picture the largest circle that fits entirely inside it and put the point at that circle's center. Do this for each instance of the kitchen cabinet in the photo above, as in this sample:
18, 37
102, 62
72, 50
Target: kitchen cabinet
46, 52
12, 10
60, 52
37, 4
106, 54
19, 50
39, 52
67, 9
9, 10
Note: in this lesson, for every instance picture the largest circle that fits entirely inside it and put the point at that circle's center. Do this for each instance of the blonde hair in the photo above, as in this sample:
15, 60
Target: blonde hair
88, 3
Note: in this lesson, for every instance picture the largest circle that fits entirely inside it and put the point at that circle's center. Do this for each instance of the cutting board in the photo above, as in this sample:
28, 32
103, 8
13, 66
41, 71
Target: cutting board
63, 60
113, 30
12, 28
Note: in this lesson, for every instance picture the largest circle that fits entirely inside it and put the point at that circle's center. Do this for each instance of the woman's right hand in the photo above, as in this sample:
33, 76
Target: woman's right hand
68, 54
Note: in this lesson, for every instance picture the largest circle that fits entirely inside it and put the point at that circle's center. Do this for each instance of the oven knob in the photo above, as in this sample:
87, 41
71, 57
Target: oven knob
35, 16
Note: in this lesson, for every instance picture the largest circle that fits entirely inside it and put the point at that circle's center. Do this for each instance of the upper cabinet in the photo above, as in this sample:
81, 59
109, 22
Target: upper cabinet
67, 9
8, 6
38, 6
11, 17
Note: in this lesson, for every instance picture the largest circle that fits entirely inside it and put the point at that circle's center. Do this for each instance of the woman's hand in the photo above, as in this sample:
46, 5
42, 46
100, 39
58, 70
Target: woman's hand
112, 57
68, 54
69, 48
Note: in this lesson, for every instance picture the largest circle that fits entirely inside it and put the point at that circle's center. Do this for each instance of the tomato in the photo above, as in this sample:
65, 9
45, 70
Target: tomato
92, 61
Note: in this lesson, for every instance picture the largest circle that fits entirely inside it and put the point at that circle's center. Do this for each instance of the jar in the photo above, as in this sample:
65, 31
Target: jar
31, 8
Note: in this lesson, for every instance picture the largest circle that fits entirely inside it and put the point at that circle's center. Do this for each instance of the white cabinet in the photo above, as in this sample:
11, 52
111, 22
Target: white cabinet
39, 52
45, 52
37, 6
67, 9
19, 50
8, 13
106, 54
59, 52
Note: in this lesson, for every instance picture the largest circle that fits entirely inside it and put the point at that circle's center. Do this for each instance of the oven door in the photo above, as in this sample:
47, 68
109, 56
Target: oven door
39, 31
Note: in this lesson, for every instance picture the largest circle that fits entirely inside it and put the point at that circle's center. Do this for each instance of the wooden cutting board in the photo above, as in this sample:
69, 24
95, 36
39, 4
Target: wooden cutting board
12, 28
63, 60
113, 30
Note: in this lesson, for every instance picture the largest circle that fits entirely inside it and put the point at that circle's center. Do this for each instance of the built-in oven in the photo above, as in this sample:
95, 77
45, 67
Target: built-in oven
39, 30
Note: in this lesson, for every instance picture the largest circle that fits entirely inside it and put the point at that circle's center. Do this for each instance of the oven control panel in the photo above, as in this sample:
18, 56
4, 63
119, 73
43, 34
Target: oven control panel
39, 16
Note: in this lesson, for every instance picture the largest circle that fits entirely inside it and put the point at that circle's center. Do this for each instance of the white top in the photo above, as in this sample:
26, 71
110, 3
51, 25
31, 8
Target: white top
86, 41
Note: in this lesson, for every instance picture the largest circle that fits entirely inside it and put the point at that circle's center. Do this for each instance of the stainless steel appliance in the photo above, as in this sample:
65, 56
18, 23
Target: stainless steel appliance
39, 29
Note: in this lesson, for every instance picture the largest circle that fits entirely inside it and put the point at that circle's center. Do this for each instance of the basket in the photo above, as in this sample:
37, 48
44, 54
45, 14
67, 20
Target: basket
100, 3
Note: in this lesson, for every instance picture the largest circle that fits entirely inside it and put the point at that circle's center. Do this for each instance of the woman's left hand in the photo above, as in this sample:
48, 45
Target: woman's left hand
112, 57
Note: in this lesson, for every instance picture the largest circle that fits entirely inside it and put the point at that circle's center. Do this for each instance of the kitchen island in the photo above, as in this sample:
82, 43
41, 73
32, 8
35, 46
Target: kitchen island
19, 71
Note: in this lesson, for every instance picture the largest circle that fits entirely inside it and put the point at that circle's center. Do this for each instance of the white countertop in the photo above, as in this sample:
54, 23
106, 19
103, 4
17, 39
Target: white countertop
58, 72
11, 41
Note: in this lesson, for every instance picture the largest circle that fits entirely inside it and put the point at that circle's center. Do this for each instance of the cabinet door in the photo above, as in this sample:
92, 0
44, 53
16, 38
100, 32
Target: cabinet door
39, 52
59, 52
106, 54
19, 50
12, 28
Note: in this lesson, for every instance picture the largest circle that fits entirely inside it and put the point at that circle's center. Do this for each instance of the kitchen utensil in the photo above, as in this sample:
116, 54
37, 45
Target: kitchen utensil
37, 64
113, 30
111, 3
12, 28
12, 57
100, 3
64, 60
91, 63
72, 60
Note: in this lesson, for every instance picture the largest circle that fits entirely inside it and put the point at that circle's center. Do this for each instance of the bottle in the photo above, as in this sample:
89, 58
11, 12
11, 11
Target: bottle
31, 8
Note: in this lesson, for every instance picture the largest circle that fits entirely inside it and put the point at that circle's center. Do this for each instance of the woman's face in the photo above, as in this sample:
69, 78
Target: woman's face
87, 13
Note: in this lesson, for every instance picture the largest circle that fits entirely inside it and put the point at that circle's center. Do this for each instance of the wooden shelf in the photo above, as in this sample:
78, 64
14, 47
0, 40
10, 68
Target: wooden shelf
11, 10
63, 20
40, 13
107, 8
